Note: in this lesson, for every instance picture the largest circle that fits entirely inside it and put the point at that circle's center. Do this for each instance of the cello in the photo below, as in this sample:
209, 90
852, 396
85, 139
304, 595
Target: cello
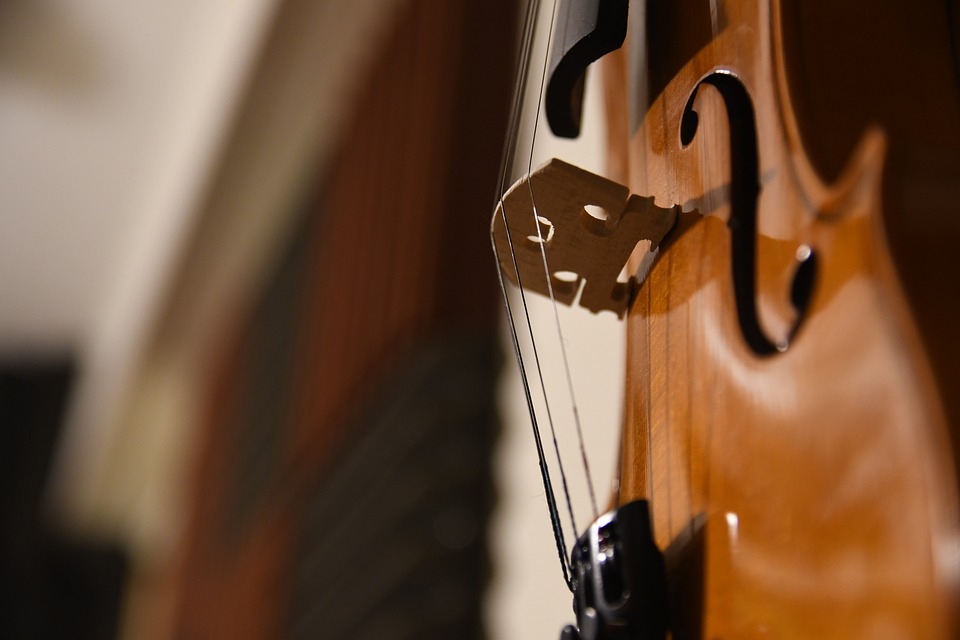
781, 197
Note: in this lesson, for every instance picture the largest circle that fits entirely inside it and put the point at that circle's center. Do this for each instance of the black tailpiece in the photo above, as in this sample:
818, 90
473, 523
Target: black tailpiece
619, 583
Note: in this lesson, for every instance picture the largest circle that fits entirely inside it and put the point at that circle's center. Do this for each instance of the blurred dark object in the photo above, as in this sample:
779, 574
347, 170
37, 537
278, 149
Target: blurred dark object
52, 587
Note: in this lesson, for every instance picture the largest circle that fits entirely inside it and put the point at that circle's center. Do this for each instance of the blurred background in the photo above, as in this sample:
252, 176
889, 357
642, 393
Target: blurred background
250, 327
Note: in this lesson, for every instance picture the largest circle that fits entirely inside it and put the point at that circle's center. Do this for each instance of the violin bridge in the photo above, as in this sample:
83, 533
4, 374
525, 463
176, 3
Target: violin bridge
579, 228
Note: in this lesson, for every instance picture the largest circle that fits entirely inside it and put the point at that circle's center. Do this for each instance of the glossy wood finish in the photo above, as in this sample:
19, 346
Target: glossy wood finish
809, 493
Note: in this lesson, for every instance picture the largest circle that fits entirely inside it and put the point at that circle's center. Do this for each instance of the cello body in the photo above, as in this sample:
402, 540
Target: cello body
791, 410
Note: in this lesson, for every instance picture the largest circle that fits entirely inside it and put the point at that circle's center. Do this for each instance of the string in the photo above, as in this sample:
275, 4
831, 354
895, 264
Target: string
638, 57
553, 300
541, 456
649, 404
536, 224
513, 131
507, 160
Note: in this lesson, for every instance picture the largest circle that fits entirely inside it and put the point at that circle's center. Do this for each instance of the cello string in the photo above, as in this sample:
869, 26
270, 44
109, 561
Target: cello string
665, 424
637, 55
649, 402
536, 224
506, 162
506, 165
538, 440
553, 301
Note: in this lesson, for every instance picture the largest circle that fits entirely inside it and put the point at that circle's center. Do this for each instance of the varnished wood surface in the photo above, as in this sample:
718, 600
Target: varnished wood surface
809, 493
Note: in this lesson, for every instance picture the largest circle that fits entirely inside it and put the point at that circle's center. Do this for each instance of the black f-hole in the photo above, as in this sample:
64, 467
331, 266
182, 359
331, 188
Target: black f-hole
744, 190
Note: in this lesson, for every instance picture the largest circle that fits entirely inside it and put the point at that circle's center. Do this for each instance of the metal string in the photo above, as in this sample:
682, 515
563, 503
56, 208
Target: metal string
536, 224
530, 22
553, 300
541, 456
507, 160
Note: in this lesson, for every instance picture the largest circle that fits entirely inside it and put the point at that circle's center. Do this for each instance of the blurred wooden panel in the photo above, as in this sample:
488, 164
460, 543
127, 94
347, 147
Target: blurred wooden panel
380, 319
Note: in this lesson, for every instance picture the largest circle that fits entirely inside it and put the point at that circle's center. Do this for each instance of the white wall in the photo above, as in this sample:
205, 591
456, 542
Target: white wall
109, 113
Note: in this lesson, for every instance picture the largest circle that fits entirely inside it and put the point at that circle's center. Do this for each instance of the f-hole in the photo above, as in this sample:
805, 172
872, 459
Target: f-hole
744, 191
